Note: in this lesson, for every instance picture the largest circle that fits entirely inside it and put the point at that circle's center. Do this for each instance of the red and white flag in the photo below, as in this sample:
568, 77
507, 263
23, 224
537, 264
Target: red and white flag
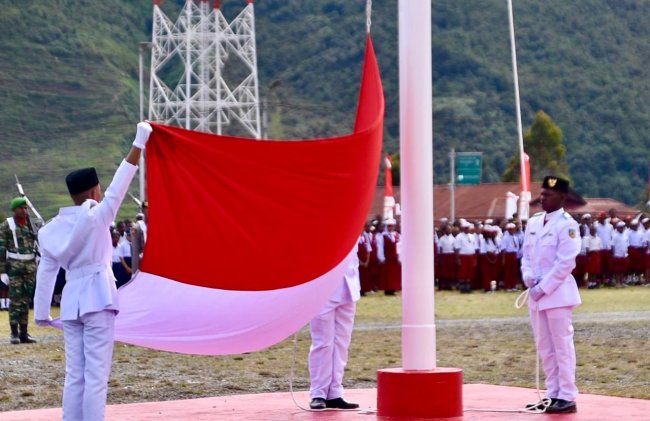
226, 269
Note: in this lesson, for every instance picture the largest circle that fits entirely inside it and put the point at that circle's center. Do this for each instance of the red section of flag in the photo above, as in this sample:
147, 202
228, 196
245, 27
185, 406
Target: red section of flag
388, 176
242, 214
525, 179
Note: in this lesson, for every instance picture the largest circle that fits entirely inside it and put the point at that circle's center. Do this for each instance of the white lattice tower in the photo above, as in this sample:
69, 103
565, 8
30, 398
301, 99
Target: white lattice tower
204, 44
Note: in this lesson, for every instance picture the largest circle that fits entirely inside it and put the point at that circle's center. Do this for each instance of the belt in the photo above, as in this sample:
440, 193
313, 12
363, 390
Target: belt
83, 271
18, 256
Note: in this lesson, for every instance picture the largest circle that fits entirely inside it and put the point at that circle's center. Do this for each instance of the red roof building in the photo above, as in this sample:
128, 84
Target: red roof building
488, 200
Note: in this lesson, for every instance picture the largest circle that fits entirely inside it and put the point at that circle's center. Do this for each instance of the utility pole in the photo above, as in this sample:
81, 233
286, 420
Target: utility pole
141, 170
452, 185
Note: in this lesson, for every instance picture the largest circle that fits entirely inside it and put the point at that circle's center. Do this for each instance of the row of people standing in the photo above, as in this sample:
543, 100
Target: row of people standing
478, 256
128, 239
614, 252
378, 250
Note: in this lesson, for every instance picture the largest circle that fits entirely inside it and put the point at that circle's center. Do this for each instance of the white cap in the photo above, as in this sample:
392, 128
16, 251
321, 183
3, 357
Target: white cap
510, 225
586, 216
489, 221
444, 219
620, 224
634, 222
465, 224
644, 220
390, 221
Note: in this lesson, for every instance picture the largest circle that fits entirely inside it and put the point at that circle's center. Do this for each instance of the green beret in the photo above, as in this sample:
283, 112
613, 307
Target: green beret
18, 202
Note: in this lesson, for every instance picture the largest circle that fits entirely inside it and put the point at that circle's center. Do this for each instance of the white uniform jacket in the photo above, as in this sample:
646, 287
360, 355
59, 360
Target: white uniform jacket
549, 255
79, 241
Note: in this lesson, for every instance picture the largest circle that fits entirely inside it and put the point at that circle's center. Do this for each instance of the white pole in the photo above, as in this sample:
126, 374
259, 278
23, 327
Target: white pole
523, 203
416, 131
141, 169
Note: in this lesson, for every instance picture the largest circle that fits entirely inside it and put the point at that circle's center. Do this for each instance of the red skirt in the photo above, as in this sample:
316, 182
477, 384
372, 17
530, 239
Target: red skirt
467, 267
593, 263
637, 258
581, 266
391, 279
605, 261
510, 270
365, 279
619, 264
489, 266
446, 266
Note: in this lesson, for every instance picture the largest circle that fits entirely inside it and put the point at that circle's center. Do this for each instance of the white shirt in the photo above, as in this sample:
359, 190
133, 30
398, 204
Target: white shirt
636, 238
446, 243
594, 243
464, 244
125, 249
488, 246
511, 243
620, 243
117, 253
79, 241
604, 231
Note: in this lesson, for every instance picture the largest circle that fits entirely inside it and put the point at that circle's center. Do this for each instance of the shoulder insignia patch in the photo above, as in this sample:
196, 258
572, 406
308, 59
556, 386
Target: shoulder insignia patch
572, 233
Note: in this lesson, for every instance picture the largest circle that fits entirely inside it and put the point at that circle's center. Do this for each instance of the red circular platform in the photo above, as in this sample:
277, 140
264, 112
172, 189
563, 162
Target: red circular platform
436, 393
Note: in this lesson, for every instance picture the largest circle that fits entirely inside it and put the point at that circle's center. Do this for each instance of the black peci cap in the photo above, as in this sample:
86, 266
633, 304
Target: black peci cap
556, 183
81, 180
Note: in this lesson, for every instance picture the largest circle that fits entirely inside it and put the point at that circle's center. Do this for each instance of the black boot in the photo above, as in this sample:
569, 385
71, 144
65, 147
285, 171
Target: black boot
15, 340
24, 336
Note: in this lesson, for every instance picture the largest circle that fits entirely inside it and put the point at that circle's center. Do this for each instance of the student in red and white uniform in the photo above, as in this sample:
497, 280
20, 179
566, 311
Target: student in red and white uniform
594, 270
636, 249
620, 262
446, 267
488, 257
364, 250
510, 254
465, 258
388, 256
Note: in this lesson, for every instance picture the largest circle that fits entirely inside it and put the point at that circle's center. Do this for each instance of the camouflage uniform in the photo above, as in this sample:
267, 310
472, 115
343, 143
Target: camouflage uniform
22, 274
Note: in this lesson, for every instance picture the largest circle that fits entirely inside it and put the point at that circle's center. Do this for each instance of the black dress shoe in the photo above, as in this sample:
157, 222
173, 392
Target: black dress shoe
560, 406
539, 406
317, 403
339, 403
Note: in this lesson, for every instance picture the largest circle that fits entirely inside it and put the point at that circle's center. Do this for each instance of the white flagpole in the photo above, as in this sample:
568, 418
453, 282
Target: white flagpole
525, 188
416, 133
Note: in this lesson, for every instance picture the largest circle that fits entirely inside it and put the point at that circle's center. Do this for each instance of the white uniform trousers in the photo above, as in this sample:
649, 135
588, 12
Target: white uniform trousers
554, 337
88, 354
331, 333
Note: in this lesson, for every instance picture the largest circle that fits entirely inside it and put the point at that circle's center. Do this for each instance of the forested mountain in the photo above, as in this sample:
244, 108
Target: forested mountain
69, 82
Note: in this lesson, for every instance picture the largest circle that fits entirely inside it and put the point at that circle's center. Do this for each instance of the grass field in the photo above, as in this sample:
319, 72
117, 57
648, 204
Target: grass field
481, 333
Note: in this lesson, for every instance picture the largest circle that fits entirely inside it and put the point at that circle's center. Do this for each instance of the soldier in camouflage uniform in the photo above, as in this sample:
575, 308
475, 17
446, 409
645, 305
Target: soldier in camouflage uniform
18, 257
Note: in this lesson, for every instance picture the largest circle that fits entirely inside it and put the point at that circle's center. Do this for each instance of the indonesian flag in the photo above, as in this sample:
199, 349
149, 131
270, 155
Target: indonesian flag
388, 176
231, 264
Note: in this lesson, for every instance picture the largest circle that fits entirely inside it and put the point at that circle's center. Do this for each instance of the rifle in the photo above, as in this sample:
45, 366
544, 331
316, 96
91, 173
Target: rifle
39, 222
136, 200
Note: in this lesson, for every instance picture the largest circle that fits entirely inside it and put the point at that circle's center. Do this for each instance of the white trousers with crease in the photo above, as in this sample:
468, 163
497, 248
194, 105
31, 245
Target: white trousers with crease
554, 335
88, 355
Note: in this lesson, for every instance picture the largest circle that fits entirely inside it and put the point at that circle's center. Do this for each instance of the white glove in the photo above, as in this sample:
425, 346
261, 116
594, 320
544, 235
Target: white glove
4, 278
536, 292
144, 129
529, 282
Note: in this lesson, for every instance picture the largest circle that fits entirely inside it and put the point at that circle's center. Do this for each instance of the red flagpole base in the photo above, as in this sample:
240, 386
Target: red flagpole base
436, 393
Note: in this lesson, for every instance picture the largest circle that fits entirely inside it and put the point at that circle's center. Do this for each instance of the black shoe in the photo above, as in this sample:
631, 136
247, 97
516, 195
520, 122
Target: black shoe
15, 339
339, 403
560, 406
317, 403
539, 406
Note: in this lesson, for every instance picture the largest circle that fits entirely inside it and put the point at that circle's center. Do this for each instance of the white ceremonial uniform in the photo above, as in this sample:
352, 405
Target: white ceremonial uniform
549, 256
78, 240
331, 333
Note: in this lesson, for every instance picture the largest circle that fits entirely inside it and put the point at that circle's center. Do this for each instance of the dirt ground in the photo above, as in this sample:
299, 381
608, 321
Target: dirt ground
492, 344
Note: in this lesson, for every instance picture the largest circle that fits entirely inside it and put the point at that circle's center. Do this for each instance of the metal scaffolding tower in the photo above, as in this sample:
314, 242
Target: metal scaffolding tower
189, 86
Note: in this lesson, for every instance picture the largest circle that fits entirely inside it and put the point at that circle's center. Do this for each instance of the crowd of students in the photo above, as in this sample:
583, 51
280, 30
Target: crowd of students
486, 255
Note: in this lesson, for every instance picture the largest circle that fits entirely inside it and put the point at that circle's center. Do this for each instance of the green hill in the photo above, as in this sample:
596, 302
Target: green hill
69, 88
